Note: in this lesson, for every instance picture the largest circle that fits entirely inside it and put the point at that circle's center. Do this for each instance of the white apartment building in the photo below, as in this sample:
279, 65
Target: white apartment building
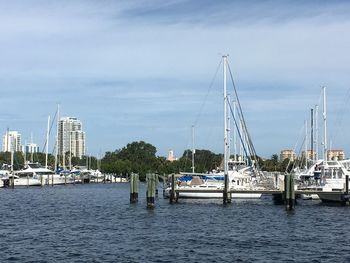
71, 137
11, 141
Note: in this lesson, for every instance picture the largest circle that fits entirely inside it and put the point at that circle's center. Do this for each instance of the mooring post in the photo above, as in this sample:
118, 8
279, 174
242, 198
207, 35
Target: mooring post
286, 190
151, 187
52, 179
346, 193
157, 182
134, 188
13, 181
28, 180
104, 178
292, 192
289, 191
65, 179
226, 198
172, 191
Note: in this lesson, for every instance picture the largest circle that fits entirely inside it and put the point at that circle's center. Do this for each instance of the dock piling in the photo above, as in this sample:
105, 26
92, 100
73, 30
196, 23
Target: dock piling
289, 192
151, 181
172, 191
134, 188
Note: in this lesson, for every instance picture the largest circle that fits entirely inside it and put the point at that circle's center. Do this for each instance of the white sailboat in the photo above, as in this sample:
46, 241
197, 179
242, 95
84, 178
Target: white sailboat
239, 175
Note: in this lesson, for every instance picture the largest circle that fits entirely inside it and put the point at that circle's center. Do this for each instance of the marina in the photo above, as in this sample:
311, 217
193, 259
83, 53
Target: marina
174, 131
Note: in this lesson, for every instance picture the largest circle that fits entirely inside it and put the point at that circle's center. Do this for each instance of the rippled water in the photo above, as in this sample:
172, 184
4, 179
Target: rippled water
96, 223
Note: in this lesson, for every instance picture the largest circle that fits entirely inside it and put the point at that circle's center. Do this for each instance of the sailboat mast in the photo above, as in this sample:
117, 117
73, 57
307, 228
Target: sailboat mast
47, 141
325, 125
193, 150
225, 117
225, 194
70, 146
58, 122
312, 135
316, 136
228, 130
234, 132
305, 144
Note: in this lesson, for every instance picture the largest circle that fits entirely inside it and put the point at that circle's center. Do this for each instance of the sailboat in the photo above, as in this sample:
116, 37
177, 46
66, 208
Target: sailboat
239, 175
326, 175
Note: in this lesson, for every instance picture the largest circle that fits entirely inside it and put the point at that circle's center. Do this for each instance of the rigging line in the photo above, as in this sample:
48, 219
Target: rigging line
50, 128
295, 146
238, 131
240, 112
207, 94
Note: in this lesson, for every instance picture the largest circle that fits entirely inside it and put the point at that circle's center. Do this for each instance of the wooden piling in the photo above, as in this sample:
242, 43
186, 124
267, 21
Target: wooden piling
13, 181
226, 196
289, 192
134, 188
172, 191
151, 189
346, 193
28, 180
65, 179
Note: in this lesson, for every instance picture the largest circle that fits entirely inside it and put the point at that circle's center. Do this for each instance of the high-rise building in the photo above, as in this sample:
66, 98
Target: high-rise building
31, 148
71, 137
11, 141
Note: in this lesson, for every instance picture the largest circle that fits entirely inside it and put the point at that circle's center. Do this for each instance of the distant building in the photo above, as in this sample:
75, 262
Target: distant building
71, 137
11, 141
171, 157
311, 155
335, 155
30, 148
287, 154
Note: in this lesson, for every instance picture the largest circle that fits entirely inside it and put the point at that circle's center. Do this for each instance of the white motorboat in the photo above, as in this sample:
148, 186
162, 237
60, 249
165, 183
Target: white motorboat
333, 180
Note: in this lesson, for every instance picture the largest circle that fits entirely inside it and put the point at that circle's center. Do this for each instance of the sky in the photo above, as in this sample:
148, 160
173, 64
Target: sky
146, 70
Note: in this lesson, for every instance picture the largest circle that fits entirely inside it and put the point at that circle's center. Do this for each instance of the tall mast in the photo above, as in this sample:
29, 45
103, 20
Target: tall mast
325, 125
228, 130
31, 148
70, 146
305, 144
234, 132
312, 135
47, 141
316, 136
225, 193
58, 122
225, 117
25, 151
193, 149
64, 141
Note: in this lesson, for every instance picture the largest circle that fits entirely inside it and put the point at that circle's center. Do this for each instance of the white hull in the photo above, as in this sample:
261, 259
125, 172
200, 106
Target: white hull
310, 197
56, 180
213, 195
26, 182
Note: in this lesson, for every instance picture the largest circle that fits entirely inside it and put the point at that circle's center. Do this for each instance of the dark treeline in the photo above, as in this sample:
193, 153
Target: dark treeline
140, 157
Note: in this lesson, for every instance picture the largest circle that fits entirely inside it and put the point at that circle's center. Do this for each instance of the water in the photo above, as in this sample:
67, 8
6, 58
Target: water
96, 223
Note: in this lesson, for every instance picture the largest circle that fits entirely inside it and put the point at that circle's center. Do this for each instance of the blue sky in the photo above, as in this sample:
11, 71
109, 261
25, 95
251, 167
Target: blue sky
141, 70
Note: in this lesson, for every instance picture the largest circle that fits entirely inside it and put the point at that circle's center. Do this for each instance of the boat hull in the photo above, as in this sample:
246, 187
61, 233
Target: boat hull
209, 195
